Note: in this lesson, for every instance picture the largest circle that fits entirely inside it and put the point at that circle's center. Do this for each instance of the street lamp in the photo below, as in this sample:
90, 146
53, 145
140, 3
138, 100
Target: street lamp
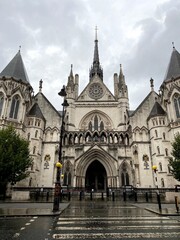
154, 168
57, 190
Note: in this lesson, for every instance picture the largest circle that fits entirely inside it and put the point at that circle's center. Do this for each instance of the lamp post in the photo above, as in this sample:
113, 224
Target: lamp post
154, 167
57, 190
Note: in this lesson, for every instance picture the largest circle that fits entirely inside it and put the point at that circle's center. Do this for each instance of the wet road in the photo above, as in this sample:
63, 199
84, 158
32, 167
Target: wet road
110, 220
26, 228
92, 220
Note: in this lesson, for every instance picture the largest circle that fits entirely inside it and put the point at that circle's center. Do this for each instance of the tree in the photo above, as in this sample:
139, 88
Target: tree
175, 161
14, 158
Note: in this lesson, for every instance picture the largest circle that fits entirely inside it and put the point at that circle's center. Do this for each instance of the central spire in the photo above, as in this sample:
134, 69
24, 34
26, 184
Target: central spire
96, 67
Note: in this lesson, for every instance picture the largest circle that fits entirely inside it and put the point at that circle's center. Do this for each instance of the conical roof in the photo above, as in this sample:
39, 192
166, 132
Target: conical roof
15, 69
157, 110
173, 69
35, 111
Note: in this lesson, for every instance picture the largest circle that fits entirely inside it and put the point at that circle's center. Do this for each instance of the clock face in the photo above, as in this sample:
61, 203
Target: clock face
95, 91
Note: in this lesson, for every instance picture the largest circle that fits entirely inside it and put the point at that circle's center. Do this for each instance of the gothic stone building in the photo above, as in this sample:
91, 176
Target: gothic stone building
105, 144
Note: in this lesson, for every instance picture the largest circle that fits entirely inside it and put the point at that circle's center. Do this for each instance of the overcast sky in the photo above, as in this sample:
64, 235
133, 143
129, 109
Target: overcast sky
54, 34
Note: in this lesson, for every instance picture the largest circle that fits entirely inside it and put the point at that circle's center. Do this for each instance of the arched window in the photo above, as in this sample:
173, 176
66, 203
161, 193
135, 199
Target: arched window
34, 150
156, 133
125, 178
1, 102
95, 123
169, 169
90, 126
162, 182
101, 126
36, 133
158, 149
32, 166
164, 136
67, 179
14, 107
28, 136
122, 179
166, 152
160, 167
177, 105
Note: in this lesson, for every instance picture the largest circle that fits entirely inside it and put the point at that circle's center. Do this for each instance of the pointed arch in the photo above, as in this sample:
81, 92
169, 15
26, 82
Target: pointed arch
1, 102
14, 106
95, 120
88, 137
125, 174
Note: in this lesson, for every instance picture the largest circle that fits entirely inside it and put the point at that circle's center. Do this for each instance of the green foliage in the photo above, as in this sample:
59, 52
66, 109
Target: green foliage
175, 161
14, 157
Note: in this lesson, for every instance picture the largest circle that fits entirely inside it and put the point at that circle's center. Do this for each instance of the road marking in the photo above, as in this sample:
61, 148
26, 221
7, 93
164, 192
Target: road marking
119, 227
110, 218
115, 235
116, 222
16, 235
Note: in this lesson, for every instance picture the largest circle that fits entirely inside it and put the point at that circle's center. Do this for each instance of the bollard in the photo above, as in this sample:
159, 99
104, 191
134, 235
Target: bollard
176, 203
135, 196
91, 197
69, 196
37, 195
80, 195
113, 196
102, 196
47, 196
159, 201
107, 192
147, 199
124, 196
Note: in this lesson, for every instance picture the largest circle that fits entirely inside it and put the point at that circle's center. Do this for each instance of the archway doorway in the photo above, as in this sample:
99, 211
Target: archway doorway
96, 176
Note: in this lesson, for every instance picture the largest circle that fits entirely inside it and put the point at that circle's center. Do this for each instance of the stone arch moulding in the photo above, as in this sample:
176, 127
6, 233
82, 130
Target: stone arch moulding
126, 168
95, 154
108, 124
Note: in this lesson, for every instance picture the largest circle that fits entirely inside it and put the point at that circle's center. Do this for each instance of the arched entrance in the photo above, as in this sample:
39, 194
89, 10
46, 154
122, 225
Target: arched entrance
96, 176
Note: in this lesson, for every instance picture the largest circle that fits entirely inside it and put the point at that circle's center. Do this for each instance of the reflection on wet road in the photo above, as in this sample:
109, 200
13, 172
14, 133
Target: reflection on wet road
110, 220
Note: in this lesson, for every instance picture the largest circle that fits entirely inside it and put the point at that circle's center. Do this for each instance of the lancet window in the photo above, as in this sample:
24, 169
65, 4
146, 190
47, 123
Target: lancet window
177, 105
1, 102
14, 107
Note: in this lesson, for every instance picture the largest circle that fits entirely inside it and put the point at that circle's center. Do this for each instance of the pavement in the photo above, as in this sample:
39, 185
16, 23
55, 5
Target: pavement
167, 209
15, 209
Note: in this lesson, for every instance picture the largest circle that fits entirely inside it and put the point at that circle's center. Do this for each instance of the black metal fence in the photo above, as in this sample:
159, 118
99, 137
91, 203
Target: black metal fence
113, 194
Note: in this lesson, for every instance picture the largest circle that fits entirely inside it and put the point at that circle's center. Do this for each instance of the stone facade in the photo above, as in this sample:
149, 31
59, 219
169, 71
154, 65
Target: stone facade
104, 143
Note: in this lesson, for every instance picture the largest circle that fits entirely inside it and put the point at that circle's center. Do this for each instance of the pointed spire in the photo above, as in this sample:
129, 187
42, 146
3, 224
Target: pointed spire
71, 72
15, 69
173, 69
71, 79
96, 53
121, 78
96, 67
